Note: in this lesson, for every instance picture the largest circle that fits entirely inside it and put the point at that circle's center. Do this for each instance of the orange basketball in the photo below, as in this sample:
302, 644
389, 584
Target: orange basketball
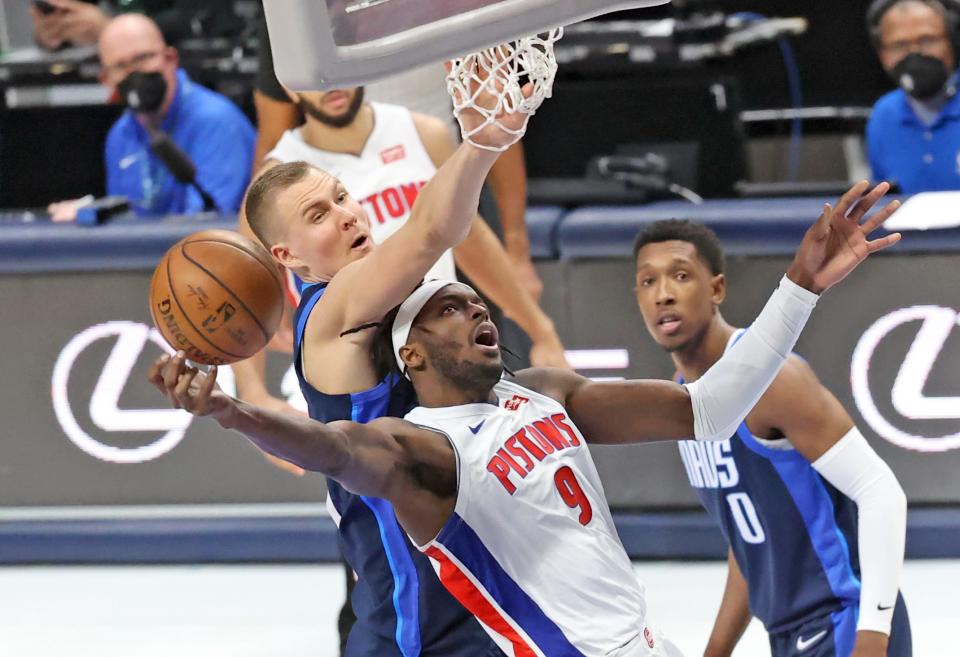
218, 296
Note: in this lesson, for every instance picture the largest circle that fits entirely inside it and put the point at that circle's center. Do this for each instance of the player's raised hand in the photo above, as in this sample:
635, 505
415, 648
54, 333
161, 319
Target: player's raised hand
487, 117
188, 388
838, 241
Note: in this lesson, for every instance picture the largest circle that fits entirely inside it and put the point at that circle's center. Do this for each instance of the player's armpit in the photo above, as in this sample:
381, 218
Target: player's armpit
797, 405
415, 470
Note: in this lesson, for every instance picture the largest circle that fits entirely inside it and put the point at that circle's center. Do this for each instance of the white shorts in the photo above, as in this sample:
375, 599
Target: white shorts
648, 643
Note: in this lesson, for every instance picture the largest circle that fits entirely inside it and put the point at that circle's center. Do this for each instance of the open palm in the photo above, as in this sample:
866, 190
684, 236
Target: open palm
486, 118
838, 241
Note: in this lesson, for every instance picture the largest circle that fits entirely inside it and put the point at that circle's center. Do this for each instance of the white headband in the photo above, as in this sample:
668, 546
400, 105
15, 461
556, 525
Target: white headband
408, 312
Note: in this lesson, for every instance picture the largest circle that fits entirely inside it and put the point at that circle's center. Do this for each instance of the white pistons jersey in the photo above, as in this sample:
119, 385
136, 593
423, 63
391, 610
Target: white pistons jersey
531, 549
385, 178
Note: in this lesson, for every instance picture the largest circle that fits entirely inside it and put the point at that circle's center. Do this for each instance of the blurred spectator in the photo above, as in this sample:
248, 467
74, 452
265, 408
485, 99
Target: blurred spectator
208, 128
58, 23
913, 136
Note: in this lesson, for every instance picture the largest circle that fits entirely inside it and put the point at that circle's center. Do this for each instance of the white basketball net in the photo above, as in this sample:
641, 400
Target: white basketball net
489, 83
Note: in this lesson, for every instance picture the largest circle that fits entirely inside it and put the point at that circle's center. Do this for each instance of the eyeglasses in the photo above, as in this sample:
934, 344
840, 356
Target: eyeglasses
120, 69
925, 45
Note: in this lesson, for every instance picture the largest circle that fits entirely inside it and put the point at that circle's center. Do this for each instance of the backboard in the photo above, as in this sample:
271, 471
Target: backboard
324, 44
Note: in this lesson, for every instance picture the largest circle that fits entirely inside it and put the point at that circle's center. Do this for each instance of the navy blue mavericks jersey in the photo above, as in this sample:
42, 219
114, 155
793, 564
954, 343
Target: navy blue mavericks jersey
793, 534
402, 608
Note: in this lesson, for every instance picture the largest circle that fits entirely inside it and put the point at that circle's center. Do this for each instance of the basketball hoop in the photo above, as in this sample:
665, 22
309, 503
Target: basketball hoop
490, 82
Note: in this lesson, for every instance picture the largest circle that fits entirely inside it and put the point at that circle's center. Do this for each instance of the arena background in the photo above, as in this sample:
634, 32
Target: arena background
591, 300
196, 545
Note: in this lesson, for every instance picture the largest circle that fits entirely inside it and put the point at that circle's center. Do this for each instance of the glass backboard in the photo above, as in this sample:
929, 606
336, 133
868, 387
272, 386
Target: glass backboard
323, 44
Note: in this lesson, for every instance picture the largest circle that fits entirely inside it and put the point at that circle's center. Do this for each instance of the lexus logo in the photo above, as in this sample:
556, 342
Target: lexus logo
105, 413
907, 394
131, 339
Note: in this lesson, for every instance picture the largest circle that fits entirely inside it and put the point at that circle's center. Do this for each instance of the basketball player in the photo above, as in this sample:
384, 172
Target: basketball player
814, 519
384, 154
492, 478
323, 235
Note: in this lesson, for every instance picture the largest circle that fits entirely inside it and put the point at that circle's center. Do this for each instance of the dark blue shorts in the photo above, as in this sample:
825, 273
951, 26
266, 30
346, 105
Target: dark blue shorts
833, 635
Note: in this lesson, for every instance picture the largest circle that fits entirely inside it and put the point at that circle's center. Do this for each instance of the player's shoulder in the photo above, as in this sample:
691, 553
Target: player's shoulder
429, 123
551, 382
431, 129
327, 320
794, 378
795, 386
412, 439
393, 425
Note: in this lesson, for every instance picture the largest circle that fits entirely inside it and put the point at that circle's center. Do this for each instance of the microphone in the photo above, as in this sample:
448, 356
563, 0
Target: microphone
179, 164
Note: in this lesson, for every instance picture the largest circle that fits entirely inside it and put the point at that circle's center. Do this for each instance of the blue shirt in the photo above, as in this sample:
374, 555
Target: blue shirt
209, 128
902, 148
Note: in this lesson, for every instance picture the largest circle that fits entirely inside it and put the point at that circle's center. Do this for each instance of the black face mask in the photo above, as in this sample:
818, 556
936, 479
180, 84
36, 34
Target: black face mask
143, 92
921, 76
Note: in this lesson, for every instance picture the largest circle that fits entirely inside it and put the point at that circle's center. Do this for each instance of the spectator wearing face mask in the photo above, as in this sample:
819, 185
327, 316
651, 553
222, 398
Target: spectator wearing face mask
142, 71
913, 136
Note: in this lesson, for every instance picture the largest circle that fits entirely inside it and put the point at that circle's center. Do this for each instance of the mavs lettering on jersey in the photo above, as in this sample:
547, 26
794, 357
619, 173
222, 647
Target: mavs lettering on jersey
711, 465
793, 534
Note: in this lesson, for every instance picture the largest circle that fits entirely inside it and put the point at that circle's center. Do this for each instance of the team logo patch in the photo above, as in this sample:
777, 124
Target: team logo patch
393, 154
648, 635
514, 403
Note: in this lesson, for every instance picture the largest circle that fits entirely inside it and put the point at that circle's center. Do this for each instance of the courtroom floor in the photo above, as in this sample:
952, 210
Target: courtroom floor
290, 611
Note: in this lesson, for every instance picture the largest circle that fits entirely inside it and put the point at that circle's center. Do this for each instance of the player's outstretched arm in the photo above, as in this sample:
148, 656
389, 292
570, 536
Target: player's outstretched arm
484, 260
712, 407
362, 457
439, 220
487, 263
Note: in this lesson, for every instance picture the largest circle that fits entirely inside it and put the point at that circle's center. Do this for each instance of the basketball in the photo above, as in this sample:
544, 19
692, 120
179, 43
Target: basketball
217, 296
